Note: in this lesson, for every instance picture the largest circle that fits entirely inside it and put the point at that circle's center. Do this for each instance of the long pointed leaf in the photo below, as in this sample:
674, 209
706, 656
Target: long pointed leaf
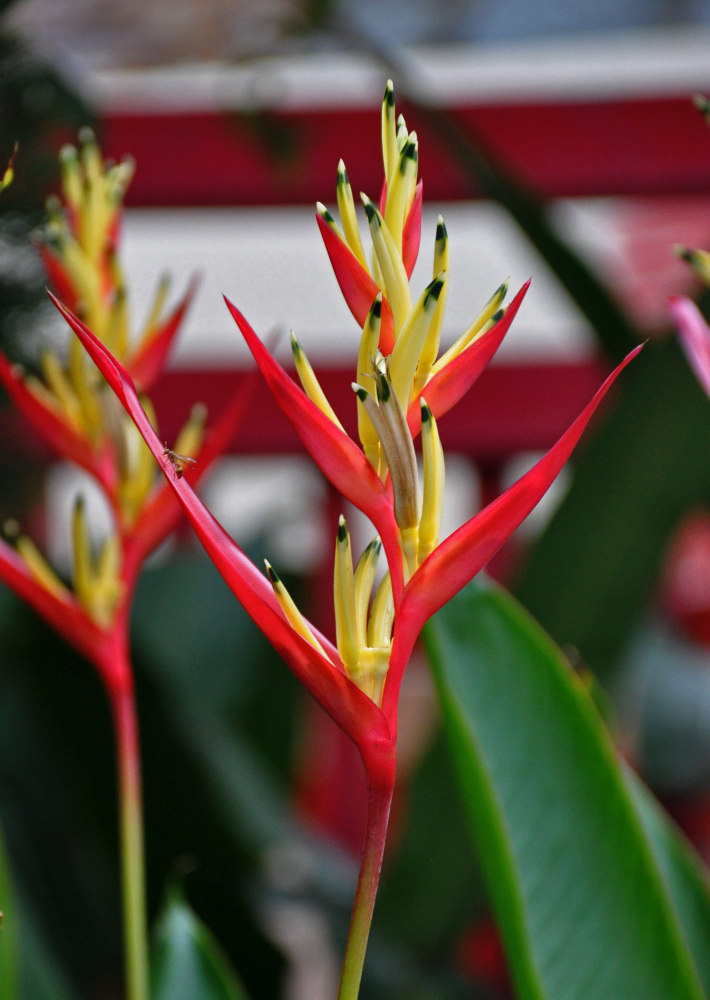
580, 900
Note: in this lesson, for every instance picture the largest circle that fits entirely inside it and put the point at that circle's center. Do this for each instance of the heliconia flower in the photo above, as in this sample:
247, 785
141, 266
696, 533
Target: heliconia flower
66, 402
694, 336
428, 577
403, 384
418, 557
397, 394
357, 679
70, 405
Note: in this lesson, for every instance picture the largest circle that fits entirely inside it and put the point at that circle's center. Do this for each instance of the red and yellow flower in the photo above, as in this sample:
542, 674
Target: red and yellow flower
404, 383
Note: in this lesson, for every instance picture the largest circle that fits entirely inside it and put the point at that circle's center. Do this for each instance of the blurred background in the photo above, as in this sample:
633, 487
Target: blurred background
559, 141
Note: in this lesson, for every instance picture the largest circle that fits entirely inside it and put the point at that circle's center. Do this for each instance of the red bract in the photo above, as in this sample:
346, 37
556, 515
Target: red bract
358, 288
452, 382
412, 232
148, 360
62, 611
694, 336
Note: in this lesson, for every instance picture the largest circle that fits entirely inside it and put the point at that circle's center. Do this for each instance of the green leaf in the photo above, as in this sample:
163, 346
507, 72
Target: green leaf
580, 900
27, 966
187, 963
683, 872
9, 979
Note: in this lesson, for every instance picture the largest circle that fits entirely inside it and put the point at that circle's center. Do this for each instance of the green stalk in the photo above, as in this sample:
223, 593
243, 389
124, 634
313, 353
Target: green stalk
123, 707
380, 772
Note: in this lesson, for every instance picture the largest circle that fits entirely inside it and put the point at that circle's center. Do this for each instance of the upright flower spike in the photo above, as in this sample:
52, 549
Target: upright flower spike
67, 404
400, 388
79, 250
73, 409
395, 228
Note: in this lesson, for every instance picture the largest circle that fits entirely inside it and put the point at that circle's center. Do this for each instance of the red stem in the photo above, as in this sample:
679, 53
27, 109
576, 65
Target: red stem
123, 707
380, 771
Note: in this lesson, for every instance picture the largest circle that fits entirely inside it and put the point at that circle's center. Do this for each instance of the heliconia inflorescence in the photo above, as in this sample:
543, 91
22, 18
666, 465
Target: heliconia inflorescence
72, 408
403, 383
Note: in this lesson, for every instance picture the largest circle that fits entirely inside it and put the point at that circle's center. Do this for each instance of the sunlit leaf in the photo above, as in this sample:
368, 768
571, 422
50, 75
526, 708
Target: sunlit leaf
581, 903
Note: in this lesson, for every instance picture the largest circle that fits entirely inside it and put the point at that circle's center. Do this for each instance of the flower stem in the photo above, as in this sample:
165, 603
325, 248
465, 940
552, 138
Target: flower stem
131, 831
380, 787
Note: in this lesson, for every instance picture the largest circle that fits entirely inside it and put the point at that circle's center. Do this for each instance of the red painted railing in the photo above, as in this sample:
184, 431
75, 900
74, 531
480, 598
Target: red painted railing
641, 146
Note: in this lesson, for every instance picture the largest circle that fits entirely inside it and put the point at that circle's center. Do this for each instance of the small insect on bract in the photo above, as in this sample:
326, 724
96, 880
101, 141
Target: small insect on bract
178, 462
